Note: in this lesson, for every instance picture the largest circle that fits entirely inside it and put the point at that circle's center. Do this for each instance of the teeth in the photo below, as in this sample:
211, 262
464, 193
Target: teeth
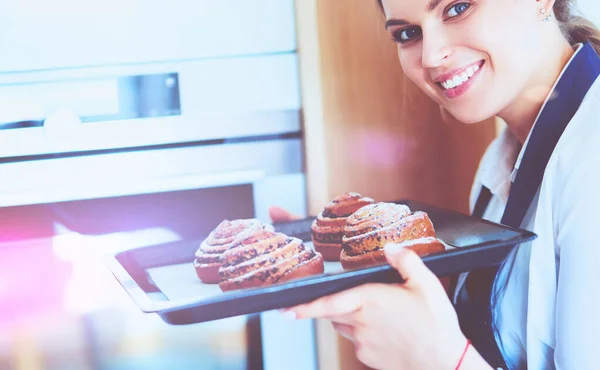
461, 78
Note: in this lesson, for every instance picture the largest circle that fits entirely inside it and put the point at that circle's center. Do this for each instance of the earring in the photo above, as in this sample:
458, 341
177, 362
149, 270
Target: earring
546, 18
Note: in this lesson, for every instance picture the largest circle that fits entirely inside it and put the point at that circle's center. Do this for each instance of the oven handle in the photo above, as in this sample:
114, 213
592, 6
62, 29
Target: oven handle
128, 187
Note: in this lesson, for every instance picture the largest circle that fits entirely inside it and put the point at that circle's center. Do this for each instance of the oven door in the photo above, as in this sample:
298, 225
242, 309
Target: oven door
129, 123
100, 319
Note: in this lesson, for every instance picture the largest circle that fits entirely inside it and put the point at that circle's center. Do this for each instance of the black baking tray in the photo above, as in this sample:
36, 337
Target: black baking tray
161, 278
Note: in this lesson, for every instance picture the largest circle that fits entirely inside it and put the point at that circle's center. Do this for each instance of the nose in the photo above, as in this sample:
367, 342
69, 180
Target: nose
435, 50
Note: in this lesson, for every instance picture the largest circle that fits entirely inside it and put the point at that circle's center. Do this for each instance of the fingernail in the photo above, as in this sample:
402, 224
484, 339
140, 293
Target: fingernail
393, 248
289, 315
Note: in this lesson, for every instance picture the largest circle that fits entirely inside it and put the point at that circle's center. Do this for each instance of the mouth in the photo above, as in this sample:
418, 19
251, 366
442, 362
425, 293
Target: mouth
456, 83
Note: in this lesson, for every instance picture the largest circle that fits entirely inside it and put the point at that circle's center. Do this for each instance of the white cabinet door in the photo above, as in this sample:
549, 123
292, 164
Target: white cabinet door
38, 34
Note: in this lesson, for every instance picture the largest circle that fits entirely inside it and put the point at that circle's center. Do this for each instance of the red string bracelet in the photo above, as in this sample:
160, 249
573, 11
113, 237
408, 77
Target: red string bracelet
462, 357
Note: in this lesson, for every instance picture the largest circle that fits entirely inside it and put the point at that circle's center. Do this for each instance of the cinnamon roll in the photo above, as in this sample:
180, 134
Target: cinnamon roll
264, 258
208, 255
328, 229
369, 229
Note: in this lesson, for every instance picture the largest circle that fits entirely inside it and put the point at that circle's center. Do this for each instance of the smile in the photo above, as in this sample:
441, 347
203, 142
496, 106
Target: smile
457, 82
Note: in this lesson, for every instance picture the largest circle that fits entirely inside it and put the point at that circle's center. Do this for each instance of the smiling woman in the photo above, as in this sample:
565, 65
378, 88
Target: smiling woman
467, 34
536, 65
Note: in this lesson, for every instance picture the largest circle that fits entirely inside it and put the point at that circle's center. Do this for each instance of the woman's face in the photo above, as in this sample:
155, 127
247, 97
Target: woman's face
473, 57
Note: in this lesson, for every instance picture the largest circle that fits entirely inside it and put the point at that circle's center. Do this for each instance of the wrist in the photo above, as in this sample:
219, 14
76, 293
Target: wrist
472, 360
463, 355
448, 354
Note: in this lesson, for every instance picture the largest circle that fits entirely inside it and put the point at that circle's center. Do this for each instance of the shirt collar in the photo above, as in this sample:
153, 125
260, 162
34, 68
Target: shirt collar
501, 161
497, 164
550, 97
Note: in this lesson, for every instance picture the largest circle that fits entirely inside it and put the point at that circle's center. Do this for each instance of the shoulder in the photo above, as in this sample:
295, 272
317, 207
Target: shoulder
584, 127
574, 170
579, 145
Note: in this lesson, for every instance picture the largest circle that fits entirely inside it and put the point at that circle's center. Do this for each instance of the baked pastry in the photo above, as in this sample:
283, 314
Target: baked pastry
370, 228
208, 255
265, 257
328, 229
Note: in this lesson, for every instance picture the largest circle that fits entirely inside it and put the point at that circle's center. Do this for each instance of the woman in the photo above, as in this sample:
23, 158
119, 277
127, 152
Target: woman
535, 65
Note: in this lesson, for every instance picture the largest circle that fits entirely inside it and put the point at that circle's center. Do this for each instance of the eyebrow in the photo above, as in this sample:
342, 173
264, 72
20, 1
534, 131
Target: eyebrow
395, 22
401, 22
432, 5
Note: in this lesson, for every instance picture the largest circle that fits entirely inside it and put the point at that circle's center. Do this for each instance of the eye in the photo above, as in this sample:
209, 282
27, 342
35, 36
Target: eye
456, 9
405, 35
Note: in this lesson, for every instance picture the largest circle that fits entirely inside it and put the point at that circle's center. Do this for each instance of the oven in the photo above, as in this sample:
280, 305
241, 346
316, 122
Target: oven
126, 124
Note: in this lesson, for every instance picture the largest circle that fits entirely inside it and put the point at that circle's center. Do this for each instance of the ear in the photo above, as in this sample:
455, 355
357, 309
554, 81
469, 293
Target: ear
545, 7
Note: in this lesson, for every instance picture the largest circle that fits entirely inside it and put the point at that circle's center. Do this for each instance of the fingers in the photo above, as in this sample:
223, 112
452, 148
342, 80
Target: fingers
345, 330
349, 319
352, 319
278, 214
410, 266
336, 305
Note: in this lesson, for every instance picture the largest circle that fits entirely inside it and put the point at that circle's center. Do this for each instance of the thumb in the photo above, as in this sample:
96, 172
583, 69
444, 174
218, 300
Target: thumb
410, 266
278, 214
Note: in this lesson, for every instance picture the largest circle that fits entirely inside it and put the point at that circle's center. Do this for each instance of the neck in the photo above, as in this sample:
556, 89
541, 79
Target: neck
520, 115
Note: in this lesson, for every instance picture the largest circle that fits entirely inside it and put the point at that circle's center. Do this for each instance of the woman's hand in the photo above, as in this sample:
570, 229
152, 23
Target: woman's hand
396, 326
278, 214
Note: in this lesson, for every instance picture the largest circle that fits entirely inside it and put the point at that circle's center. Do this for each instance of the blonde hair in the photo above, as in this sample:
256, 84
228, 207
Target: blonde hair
575, 27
